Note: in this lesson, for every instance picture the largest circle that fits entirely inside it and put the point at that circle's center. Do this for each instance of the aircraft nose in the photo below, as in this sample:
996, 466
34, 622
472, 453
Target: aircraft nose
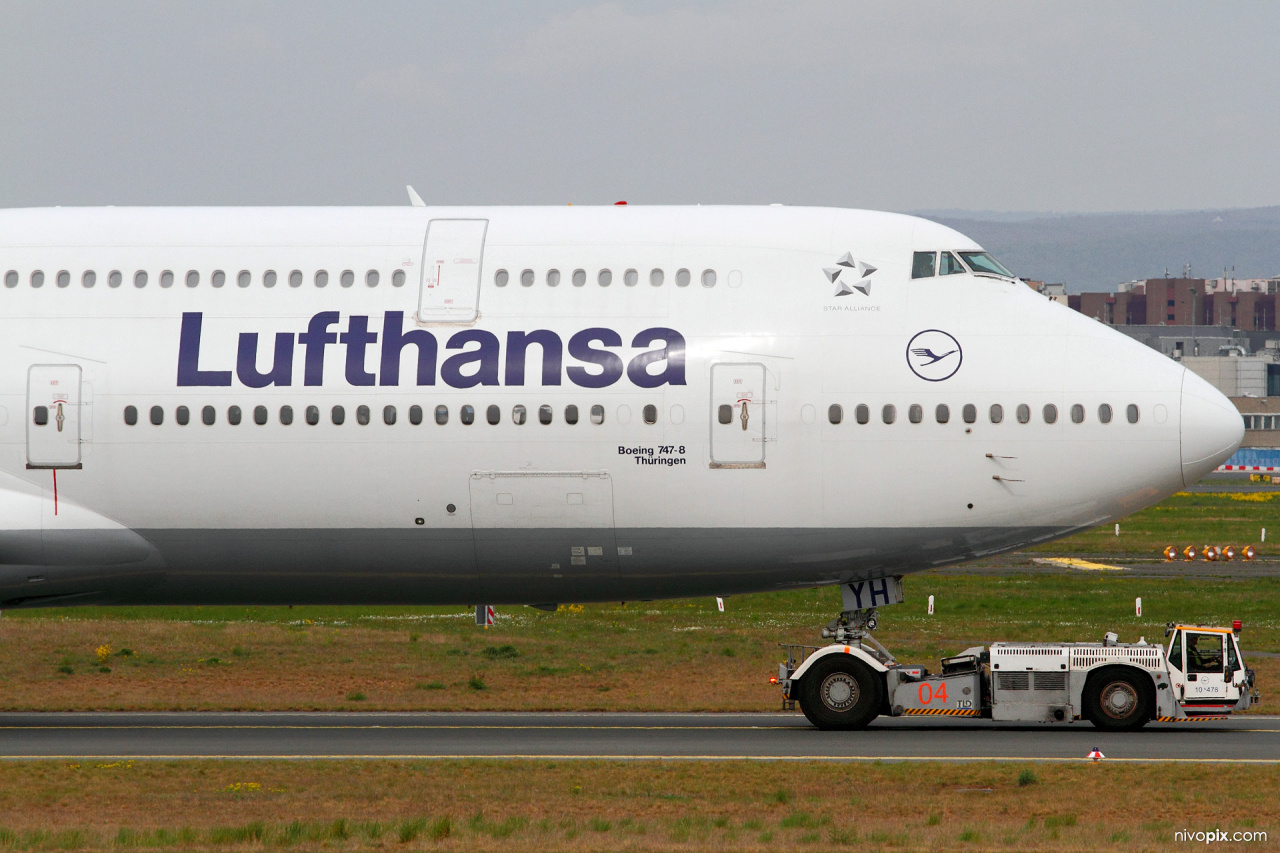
1211, 428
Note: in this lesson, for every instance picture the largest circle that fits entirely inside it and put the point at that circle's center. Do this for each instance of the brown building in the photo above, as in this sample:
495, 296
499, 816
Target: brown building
1180, 302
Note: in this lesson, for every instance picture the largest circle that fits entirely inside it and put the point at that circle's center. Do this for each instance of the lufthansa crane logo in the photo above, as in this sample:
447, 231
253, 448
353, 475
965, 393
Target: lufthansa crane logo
849, 275
934, 355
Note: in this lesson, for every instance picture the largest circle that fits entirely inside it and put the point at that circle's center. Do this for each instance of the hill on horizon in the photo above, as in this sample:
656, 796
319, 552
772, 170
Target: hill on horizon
1097, 251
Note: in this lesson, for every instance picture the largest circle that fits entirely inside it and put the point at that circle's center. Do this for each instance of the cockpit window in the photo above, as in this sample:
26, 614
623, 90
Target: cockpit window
949, 265
982, 262
922, 264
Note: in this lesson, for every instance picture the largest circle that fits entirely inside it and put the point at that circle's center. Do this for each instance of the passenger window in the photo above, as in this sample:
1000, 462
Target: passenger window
1131, 412
708, 278
1104, 413
37, 278
182, 415
500, 278
389, 415
286, 415
949, 265
233, 415
997, 413
553, 278
467, 415
518, 415
579, 278
724, 414
650, 414
157, 415
130, 415
604, 278
415, 415
40, 415
140, 278
243, 279
89, 279
321, 278
114, 278
347, 278
397, 278
631, 278
915, 413
371, 278
64, 278
193, 279
295, 278
655, 277
571, 414
338, 415
1077, 414
1024, 413
166, 278
260, 415
219, 278
11, 278
922, 264
942, 413
889, 413
493, 415
526, 278
862, 414
1050, 413
362, 415
597, 414
544, 414
442, 415
313, 415
269, 278
209, 415
1204, 653
970, 413
683, 278
835, 413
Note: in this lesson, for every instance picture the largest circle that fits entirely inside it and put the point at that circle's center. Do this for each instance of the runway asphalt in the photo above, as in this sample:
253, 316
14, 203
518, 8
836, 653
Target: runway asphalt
779, 737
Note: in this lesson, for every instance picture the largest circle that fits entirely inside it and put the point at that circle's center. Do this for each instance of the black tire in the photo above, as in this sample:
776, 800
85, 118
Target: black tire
840, 692
1117, 700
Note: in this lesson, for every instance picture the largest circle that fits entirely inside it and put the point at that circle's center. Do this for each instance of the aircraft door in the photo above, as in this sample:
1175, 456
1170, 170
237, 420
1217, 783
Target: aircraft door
451, 262
737, 415
53, 416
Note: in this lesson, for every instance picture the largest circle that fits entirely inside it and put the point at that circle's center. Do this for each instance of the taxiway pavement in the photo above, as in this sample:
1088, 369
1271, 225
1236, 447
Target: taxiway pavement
105, 736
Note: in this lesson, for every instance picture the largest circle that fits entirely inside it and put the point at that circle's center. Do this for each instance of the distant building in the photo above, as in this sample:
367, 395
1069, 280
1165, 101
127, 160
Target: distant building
1184, 302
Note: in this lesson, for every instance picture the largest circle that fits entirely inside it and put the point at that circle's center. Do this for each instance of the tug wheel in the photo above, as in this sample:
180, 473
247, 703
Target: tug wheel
840, 692
1116, 700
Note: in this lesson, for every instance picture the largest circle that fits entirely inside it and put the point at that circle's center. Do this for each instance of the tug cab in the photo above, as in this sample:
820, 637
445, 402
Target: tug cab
1206, 670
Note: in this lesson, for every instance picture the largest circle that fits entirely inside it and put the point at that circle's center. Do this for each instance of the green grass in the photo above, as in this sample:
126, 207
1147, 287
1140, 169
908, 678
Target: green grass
1187, 518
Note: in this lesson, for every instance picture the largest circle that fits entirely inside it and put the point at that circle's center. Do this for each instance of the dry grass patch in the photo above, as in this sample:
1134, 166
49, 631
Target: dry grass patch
453, 805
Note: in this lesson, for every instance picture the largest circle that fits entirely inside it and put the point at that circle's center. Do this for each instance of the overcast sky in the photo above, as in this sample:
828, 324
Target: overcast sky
1049, 106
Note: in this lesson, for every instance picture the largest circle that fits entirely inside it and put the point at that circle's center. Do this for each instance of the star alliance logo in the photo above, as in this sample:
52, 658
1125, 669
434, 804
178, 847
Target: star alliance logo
849, 275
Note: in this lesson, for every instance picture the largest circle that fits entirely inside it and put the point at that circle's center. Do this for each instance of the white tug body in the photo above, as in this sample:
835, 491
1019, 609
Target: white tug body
1119, 686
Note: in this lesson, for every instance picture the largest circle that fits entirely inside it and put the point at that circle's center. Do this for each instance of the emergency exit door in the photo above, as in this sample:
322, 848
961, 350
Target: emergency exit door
53, 416
737, 415
451, 261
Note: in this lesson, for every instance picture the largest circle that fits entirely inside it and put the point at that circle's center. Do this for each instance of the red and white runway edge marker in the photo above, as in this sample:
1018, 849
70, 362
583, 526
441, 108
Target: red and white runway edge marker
1095, 754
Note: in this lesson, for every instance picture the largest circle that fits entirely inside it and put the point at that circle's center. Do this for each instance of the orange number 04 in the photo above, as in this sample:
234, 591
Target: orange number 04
927, 694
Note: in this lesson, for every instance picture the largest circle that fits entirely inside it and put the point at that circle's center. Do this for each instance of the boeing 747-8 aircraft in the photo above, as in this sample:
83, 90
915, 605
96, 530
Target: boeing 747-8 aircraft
542, 405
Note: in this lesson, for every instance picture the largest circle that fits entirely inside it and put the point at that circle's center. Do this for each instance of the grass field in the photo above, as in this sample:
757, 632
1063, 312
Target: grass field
605, 656
674, 806
1203, 518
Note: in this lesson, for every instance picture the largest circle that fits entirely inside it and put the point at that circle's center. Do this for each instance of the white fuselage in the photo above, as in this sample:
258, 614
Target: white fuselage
704, 458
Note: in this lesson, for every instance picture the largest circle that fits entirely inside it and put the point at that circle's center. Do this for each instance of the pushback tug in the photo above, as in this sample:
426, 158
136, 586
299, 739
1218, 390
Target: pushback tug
1116, 686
